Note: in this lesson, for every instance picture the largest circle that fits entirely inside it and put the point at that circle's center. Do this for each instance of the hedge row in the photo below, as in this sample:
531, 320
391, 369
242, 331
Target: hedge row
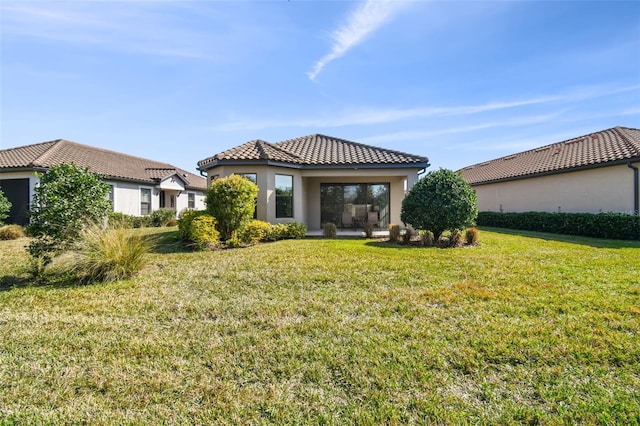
601, 225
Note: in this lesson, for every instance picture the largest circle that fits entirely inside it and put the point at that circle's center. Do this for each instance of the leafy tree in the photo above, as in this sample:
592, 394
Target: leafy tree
5, 206
231, 201
440, 201
67, 199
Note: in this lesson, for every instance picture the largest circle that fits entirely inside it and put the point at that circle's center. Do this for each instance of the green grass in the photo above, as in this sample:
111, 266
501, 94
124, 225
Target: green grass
522, 329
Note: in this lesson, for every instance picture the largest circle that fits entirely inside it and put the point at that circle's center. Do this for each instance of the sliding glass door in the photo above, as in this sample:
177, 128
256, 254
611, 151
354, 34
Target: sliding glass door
351, 205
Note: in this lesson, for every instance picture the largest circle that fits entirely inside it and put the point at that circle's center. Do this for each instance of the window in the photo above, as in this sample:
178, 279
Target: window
284, 196
145, 201
191, 200
110, 197
361, 202
253, 177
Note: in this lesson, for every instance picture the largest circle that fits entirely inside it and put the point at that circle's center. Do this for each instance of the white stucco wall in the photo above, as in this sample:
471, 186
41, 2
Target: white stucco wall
306, 188
605, 189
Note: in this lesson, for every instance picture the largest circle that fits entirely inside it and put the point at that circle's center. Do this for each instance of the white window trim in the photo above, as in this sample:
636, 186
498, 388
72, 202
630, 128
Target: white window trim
140, 199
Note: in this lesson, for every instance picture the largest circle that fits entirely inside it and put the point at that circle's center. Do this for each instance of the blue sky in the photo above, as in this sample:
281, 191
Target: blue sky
460, 82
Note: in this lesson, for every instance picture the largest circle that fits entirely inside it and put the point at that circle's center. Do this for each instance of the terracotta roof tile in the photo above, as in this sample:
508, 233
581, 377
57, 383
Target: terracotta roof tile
617, 144
108, 163
316, 150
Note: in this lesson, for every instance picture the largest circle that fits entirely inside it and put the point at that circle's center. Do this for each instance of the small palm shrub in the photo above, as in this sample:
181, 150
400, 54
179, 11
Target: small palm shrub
110, 254
11, 232
329, 230
471, 236
394, 232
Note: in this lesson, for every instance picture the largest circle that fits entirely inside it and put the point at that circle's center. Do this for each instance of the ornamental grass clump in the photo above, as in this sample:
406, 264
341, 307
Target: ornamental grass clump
471, 236
394, 232
110, 254
11, 232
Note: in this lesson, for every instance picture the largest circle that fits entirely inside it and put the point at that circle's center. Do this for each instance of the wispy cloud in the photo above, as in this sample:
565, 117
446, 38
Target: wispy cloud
373, 116
362, 22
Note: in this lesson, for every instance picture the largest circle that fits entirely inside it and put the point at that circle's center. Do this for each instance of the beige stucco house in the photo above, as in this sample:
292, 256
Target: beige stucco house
592, 173
138, 185
318, 179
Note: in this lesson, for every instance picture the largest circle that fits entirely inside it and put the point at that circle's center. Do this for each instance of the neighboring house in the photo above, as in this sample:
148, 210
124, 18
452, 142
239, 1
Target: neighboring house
592, 173
138, 185
318, 179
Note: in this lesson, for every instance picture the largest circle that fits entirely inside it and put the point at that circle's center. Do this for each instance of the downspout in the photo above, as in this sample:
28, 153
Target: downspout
636, 195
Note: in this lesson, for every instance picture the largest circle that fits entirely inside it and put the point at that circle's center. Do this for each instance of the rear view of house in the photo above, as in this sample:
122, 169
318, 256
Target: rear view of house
590, 174
138, 185
318, 179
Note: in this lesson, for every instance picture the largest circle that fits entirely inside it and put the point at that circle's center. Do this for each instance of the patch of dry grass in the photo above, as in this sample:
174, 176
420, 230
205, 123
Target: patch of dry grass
516, 330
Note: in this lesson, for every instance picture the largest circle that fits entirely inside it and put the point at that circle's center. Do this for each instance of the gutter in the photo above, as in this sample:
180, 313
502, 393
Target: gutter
636, 192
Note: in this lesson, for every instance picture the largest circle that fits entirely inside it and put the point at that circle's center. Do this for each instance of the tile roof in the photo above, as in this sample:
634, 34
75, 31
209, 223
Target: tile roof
604, 148
111, 164
315, 151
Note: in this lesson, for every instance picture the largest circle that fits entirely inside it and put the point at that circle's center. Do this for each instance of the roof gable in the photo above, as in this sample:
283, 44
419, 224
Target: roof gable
111, 164
314, 151
607, 147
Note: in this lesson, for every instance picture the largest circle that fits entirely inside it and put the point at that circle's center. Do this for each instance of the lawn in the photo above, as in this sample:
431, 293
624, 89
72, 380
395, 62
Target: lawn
521, 329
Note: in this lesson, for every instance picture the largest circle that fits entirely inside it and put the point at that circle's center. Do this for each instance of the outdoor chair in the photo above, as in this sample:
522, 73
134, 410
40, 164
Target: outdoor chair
372, 219
347, 220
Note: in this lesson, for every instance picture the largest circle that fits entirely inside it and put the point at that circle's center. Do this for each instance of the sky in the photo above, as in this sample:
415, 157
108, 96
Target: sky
460, 82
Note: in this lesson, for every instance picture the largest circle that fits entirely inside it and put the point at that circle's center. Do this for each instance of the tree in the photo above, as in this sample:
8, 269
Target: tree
440, 201
5, 206
231, 201
67, 199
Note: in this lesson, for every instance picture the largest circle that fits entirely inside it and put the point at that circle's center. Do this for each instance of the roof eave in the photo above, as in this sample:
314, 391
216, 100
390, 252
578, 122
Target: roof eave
560, 171
349, 166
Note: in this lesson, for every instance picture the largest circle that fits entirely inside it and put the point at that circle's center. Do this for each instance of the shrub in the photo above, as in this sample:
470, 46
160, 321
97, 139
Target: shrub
11, 232
253, 232
141, 221
368, 229
5, 206
161, 217
173, 222
471, 236
456, 239
67, 198
295, 231
276, 232
184, 223
394, 232
203, 233
329, 230
110, 254
408, 234
231, 201
440, 201
234, 241
120, 220
426, 239
601, 225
